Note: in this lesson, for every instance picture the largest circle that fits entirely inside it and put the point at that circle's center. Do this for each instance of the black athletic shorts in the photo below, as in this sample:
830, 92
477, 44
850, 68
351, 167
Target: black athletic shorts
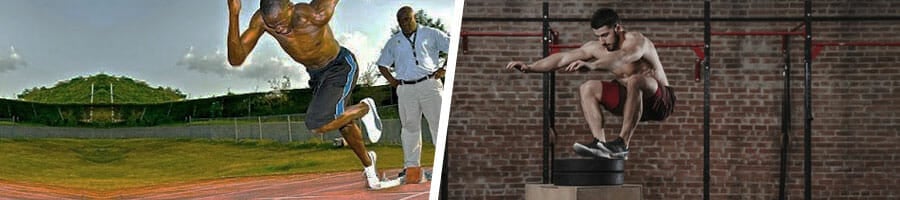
331, 86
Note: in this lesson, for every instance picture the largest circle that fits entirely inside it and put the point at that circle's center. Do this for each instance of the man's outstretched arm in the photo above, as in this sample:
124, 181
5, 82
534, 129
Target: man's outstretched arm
552, 62
239, 46
632, 50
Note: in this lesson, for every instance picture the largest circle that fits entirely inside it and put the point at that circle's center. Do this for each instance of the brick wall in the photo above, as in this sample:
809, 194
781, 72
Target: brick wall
494, 134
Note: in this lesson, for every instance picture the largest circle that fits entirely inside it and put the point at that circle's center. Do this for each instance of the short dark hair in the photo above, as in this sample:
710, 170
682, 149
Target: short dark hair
269, 7
604, 17
405, 9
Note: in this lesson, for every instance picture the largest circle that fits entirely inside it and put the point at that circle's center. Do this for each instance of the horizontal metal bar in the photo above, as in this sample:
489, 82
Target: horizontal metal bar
657, 45
536, 34
693, 19
674, 45
757, 33
892, 44
502, 34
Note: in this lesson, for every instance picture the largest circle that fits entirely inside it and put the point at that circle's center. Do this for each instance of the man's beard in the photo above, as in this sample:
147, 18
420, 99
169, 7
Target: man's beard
614, 45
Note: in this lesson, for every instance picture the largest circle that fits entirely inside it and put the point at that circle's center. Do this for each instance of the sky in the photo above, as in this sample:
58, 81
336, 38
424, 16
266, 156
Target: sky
171, 43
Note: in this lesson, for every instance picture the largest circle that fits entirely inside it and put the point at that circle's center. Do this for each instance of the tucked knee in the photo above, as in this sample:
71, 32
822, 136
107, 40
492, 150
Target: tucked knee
591, 88
642, 84
635, 81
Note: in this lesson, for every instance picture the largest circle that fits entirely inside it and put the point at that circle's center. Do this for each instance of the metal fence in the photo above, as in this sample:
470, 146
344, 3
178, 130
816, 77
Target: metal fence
283, 128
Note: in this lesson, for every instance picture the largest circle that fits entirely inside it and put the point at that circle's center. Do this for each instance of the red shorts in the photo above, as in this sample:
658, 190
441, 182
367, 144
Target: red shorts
656, 107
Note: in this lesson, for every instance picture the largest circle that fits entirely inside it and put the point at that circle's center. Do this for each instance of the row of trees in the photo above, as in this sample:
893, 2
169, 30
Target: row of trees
136, 114
101, 88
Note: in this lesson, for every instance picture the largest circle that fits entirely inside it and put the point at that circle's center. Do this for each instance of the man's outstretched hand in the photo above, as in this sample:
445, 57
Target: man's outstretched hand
520, 66
581, 66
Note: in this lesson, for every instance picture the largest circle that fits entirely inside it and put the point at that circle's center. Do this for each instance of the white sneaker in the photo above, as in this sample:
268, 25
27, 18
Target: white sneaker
372, 121
371, 174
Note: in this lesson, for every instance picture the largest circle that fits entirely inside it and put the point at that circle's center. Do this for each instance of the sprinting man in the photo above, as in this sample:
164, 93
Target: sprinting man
640, 91
303, 32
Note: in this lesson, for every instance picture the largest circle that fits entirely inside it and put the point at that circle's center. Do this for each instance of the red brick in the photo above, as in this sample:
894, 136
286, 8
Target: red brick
854, 90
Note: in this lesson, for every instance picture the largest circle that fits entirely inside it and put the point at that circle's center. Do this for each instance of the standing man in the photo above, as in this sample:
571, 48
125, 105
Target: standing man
640, 91
302, 31
414, 54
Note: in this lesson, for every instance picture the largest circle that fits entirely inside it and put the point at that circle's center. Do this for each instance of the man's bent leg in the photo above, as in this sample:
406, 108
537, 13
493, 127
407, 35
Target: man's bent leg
350, 131
353, 135
591, 98
591, 93
353, 112
637, 87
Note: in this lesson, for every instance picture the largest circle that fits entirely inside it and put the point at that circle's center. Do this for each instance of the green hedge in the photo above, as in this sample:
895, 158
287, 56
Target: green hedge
254, 104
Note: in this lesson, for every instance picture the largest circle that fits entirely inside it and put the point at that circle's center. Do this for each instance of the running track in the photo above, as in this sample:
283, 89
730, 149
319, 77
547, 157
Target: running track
341, 185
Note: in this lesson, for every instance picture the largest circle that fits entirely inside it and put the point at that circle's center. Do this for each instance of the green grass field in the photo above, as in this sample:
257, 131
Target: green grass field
105, 165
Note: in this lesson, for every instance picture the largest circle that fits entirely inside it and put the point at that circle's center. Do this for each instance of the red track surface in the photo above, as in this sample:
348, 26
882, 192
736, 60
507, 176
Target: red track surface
341, 185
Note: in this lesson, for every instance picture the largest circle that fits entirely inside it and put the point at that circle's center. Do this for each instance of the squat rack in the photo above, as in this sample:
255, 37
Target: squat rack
549, 41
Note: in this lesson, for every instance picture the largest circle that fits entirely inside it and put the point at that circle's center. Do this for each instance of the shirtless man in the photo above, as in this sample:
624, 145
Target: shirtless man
302, 31
640, 91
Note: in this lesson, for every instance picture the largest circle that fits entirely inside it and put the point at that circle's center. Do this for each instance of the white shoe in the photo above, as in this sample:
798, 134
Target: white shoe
371, 174
372, 121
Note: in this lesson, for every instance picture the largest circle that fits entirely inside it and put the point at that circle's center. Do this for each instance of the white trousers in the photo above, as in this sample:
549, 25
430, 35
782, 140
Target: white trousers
414, 101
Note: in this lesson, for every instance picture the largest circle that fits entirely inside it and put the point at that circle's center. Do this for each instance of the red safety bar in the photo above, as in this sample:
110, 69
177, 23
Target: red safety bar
502, 34
697, 47
818, 46
763, 33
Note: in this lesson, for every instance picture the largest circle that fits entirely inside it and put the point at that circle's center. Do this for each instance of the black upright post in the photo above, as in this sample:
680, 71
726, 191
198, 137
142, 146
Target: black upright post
706, 43
548, 98
443, 195
785, 116
807, 104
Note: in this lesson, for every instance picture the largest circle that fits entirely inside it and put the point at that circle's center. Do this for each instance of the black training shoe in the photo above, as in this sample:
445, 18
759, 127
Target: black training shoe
590, 149
616, 149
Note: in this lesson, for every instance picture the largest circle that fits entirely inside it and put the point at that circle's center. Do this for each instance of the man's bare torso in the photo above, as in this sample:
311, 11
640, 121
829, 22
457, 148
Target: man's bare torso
648, 65
312, 45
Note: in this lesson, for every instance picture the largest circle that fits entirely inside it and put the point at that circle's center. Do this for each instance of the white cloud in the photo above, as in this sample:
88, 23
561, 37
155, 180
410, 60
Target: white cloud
263, 64
366, 49
270, 62
12, 61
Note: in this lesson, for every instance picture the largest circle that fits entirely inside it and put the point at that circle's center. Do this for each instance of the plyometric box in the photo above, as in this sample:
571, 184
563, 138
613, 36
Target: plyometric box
617, 192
